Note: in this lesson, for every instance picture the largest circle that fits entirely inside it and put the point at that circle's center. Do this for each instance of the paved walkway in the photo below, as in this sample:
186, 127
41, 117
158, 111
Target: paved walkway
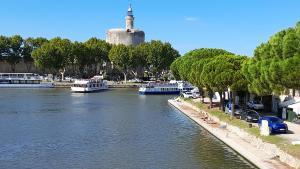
259, 158
294, 128
294, 132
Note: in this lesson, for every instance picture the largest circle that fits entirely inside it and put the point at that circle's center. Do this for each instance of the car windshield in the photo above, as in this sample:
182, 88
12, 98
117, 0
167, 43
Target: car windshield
256, 102
251, 113
275, 120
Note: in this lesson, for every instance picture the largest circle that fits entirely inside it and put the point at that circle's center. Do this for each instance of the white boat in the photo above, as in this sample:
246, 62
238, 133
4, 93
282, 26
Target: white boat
23, 80
89, 85
172, 87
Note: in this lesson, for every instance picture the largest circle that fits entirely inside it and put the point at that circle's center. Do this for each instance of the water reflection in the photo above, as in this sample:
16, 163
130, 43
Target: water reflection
114, 129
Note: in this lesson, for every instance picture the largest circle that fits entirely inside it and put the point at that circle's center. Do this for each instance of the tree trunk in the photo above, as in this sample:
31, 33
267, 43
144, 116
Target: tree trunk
221, 101
233, 103
210, 99
135, 73
202, 95
62, 72
125, 77
294, 92
28, 66
13, 68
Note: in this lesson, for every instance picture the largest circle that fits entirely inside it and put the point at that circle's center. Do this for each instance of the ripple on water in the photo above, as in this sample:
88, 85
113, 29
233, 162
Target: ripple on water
113, 129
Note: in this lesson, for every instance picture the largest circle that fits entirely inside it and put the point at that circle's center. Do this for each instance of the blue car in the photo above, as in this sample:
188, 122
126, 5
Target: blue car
276, 125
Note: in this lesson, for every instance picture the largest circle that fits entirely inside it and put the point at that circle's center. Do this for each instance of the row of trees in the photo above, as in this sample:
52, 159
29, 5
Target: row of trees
81, 59
274, 68
276, 64
86, 58
16, 49
155, 57
211, 70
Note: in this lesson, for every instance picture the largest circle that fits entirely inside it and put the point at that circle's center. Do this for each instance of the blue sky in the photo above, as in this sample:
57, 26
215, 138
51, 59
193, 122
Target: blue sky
235, 25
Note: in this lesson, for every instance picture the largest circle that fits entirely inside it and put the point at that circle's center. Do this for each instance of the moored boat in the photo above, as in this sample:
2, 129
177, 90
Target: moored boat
172, 87
23, 80
89, 85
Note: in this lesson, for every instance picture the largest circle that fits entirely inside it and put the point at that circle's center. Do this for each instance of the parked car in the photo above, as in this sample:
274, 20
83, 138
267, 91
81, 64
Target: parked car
250, 116
196, 95
135, 80
187, 94
254, 104
276, 125
237, 109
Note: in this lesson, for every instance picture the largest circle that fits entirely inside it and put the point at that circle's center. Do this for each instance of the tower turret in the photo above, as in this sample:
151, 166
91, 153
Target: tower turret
129, 36
129, 19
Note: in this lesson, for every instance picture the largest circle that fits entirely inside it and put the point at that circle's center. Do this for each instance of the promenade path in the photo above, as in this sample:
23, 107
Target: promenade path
294, 132
256, 156
294, 128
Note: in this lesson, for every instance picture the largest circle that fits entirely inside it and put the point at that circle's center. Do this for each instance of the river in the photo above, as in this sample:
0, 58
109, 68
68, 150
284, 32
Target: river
57, 129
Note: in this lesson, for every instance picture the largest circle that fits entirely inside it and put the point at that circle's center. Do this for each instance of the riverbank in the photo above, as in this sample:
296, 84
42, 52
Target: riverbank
260, 153
110, 85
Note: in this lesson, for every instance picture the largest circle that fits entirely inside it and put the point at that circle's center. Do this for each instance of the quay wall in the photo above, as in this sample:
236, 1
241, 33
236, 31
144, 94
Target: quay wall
262, 154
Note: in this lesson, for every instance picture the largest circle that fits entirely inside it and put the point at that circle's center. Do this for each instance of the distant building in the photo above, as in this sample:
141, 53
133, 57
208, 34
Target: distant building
127, 36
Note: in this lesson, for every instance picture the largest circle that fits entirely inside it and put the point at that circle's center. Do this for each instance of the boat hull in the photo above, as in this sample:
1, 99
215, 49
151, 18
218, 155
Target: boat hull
45, 85
159, 92
87, 90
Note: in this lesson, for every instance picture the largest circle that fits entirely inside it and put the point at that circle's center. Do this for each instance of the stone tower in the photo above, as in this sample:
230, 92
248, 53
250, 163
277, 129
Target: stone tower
129, 35
129, 19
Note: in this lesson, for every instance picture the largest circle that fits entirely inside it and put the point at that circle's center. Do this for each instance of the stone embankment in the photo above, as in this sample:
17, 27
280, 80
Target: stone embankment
262, 154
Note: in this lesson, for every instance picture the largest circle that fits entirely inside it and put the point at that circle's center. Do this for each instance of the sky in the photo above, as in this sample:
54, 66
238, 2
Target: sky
234, 25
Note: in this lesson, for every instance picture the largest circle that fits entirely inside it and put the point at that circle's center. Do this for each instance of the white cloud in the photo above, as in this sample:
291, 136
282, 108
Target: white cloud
191, 19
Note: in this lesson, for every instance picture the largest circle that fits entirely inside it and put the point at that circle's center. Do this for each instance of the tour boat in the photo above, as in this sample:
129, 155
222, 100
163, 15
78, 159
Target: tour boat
89, 85
23, 80
172, 87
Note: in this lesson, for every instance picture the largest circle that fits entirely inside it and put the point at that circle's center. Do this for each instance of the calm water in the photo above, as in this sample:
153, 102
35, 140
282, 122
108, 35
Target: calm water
53, 128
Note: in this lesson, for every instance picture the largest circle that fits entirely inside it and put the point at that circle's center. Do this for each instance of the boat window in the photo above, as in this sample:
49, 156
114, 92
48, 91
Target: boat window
15, 81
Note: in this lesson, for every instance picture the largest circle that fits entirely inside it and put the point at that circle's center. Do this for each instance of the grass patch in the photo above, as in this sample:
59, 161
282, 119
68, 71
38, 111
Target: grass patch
282, 143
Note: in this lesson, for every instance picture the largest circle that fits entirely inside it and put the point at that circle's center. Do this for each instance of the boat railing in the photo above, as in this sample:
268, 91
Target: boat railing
19, 76
160, 85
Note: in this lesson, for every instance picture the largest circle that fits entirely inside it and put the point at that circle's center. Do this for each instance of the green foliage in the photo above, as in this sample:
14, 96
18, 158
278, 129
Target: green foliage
79, 56
97, 50
120, 56
224, 72
276, 64
4, 47
190, 66
11, 50
137, 57
29, 45
175, 68
54, 55
159, 56
213, 70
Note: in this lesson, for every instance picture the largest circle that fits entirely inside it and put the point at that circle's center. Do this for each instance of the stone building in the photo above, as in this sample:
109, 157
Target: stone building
127, 36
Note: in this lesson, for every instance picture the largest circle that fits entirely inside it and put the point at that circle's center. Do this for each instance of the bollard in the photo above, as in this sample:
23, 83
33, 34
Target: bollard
264, 128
